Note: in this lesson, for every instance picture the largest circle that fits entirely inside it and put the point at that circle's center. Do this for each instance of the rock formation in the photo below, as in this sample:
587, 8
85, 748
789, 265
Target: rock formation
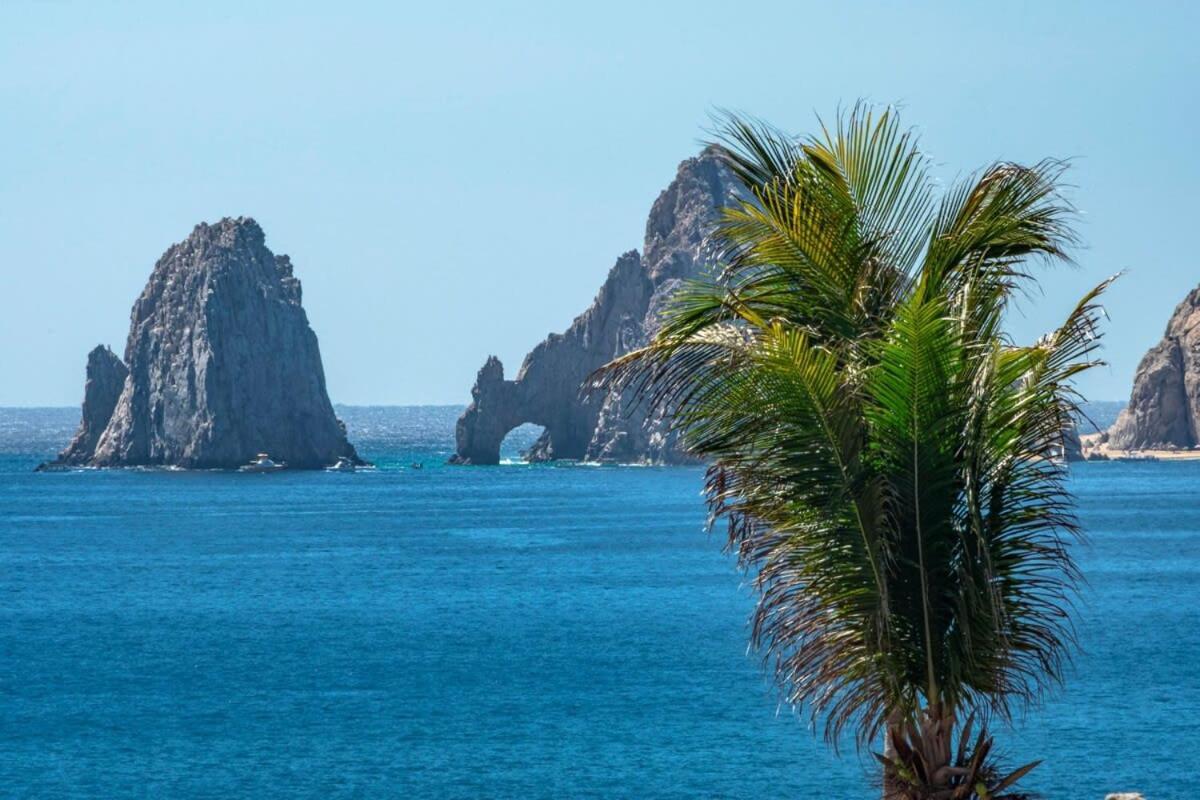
105, 382
1072, 444
623, 316
1164, 406
220, 364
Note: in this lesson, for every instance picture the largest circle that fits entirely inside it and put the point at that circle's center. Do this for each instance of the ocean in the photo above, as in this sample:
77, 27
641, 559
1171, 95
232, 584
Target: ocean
506, 632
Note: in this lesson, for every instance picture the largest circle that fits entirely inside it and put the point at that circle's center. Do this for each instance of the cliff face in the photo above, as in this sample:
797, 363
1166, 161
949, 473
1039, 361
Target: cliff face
105, 382
1164, 406
222, 364
1072, 444
623, 316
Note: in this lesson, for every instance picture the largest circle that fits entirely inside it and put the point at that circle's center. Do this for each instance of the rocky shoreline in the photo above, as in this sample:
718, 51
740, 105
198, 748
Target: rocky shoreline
1098, 447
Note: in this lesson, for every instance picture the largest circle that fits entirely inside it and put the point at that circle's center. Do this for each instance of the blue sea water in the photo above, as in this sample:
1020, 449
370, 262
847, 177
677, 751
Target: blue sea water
514, 632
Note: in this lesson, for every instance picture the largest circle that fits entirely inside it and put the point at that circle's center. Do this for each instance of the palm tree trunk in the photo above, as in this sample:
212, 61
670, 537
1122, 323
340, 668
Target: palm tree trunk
925, 751
891, 787
938, 733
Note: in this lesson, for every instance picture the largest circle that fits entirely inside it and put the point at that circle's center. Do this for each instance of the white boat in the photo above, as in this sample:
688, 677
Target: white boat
263, 463
343, 465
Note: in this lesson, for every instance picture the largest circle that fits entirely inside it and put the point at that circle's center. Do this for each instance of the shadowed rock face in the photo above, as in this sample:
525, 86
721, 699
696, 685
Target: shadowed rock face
1072, 445
222, 364
625, 313
1164, 406
105, 381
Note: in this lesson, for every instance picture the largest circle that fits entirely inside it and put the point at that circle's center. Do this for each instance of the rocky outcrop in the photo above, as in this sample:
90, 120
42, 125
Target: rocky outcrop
1072, 444
222, 364
105, 381
1164, 406
625, 313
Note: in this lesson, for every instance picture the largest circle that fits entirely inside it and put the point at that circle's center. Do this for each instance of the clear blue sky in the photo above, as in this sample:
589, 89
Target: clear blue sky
455, 179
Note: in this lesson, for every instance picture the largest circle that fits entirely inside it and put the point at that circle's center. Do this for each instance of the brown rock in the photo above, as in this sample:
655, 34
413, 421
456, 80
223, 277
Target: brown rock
1164, 406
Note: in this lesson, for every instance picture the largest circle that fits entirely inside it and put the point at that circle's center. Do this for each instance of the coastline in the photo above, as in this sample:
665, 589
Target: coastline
1096, 449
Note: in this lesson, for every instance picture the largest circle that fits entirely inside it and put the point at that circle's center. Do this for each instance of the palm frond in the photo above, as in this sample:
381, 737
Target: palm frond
886, 458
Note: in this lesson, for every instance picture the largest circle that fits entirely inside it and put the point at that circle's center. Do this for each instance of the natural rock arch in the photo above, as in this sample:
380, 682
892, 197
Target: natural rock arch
546, 390
625, 313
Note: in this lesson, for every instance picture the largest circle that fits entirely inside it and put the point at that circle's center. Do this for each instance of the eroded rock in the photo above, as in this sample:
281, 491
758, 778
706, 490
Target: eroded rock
1072, 444
222, 364
105, 381
625, 313
1164, 405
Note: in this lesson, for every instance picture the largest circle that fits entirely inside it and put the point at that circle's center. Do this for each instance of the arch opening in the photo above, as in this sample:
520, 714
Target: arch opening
516, 444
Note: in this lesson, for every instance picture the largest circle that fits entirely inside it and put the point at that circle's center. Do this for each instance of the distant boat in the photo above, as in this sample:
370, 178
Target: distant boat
343, 465
416, 465
263, 463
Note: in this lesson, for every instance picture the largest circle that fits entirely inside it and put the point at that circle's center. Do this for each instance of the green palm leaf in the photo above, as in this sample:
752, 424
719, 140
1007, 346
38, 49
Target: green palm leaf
884, 455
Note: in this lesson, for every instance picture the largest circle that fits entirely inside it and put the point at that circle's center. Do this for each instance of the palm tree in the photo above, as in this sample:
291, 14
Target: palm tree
885, 456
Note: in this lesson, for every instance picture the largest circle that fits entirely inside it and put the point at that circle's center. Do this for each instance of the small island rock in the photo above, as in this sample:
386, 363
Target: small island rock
221, 364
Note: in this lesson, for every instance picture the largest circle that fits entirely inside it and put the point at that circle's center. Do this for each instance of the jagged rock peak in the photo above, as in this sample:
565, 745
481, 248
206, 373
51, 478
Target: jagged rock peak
625, 313
222, 363
105, 381
1164, 405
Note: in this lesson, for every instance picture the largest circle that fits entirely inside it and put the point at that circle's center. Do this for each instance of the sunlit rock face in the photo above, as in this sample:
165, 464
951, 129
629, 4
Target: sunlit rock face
625, 313
221, 365
1164, 406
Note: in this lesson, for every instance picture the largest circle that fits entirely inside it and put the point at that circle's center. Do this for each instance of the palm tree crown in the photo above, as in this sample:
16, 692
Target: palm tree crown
888, 460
